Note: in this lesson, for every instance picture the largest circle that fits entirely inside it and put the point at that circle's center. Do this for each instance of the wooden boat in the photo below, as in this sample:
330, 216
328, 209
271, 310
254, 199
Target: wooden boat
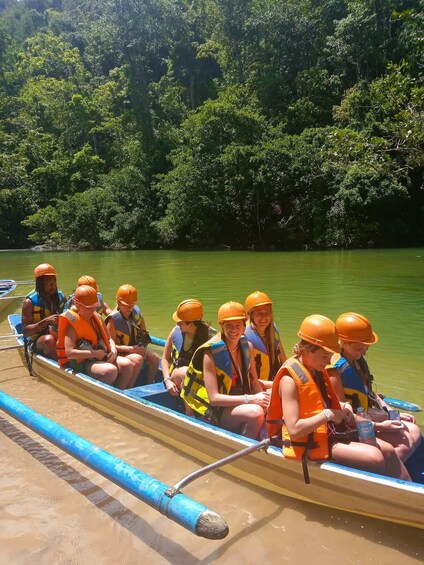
7, 287
151, 409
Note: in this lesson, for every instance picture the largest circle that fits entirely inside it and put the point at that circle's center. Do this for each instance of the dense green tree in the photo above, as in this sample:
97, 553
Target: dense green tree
244, 123
208, 189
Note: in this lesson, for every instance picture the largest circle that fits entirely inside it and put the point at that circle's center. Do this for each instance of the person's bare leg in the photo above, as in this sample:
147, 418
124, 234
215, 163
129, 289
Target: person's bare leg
249, 417
152, 361
359, 455
137, 362
104, 372
125, 372
46, 344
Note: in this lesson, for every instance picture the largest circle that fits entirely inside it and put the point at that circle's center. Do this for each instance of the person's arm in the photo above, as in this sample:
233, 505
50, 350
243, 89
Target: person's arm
113, 353
30, 328
227, 401
167, 357
170, 386
107, 309
73, 352
296, 426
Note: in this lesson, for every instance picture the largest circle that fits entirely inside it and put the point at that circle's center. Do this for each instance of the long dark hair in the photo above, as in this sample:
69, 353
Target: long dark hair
55, 301
201, 335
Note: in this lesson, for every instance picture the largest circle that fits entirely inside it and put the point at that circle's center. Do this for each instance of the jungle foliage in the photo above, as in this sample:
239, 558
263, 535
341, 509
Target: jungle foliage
211, 123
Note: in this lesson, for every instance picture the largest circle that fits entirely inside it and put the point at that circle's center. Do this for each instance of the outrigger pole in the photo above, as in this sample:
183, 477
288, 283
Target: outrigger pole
187, 512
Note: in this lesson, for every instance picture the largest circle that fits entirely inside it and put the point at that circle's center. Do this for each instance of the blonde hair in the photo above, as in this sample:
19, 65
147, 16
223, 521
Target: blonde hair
302, 346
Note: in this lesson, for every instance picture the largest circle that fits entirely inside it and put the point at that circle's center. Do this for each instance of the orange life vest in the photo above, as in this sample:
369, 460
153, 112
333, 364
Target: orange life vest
310, 403
84, 331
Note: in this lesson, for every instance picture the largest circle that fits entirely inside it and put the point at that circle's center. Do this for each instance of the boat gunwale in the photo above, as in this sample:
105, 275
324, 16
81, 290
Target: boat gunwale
220, 439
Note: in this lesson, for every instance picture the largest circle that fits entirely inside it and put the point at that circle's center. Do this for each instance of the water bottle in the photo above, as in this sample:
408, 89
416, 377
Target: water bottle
365, 427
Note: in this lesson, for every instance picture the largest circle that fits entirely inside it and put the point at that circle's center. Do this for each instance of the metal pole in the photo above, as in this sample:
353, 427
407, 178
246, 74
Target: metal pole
217, 464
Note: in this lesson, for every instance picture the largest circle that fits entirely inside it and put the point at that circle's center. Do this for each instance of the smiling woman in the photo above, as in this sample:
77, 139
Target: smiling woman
221, 383
84, 344
316, 425
263, 334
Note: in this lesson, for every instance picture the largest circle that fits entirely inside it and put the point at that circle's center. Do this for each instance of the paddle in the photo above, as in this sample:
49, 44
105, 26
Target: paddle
172, 491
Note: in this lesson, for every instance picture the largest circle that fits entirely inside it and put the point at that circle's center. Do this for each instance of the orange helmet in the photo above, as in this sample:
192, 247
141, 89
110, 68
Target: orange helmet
355, 327
231, 311
321, 331
127, 294
189, 310
90, 281
257, 298
86, 295
44, 270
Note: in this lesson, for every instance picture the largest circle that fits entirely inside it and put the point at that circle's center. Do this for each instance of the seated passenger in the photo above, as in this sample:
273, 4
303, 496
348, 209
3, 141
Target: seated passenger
189, 334
103, 308
221, 385
263, 334
41, 309
85, 345
352, 381
314, 420
127, 327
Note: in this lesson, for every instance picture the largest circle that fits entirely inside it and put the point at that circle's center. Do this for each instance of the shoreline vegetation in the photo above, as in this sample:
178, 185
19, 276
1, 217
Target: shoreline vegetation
211, 124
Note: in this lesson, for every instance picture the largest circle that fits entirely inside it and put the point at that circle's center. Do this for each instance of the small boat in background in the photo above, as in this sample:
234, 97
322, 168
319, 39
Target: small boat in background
7, 288
151, 409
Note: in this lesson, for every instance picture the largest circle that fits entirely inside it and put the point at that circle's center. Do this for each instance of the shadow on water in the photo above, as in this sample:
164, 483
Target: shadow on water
94, 494
404, 539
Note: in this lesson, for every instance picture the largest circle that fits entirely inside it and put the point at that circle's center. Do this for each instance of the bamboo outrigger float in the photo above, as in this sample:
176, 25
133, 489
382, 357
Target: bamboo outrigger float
187, 512
152, 410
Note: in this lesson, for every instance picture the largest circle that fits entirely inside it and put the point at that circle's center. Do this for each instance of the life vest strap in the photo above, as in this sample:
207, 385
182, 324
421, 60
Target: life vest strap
309, 444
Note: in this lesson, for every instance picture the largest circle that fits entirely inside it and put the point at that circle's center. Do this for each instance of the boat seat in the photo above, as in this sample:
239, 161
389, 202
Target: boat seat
157, 394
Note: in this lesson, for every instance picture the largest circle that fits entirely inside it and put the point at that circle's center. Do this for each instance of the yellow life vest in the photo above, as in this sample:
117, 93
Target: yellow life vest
261, 355
41, 310
194, 391
177, 347
355, 392
126, 330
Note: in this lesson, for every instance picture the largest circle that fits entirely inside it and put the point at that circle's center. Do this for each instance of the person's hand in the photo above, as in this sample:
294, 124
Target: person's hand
140, 350
172, 388
261, 398
112, 355
339, 415
348, 417
407, 417
52, 320
391, 426
98, 354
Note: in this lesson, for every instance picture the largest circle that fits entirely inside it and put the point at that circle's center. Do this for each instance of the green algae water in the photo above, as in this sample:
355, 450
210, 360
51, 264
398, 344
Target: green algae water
385, 285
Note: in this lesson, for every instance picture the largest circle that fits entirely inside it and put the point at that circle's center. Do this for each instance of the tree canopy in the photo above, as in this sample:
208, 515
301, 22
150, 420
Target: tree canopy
265, 124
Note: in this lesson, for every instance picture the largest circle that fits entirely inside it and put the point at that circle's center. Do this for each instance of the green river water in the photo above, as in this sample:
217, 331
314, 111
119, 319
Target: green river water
385, 285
